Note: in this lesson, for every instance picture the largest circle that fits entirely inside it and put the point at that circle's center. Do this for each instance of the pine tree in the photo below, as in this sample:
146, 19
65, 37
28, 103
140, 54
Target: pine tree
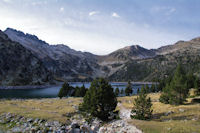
142, 106
190, 80
148, 90
153, 88
164, 98
176, 91
197, 83
65, 89
83, 91
77, 92
117, 91
138, 90
178, 88
122, 91
128, 89
100, 100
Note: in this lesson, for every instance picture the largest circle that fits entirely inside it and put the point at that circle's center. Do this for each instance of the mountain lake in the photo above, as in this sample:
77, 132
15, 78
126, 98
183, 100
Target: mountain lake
51, 92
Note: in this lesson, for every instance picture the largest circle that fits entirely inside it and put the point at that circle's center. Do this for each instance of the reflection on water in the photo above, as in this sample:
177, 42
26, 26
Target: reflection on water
52, 92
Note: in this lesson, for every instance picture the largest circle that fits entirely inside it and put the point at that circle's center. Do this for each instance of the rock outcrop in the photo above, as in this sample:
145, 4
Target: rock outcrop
18, 66
62, 61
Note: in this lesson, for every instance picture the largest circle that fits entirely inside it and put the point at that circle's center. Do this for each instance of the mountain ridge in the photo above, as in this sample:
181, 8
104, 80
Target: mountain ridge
68, 64
18, 66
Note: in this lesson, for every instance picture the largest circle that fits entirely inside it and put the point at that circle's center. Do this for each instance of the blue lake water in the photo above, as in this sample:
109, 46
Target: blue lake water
51, 92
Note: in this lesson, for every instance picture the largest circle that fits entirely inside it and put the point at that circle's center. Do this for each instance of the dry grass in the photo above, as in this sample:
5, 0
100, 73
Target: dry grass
53, 109
187, 121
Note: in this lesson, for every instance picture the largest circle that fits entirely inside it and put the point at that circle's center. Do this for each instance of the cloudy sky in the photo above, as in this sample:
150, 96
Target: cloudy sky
102, 26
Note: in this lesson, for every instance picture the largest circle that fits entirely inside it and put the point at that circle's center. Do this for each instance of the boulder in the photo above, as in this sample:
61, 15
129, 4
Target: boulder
181, 110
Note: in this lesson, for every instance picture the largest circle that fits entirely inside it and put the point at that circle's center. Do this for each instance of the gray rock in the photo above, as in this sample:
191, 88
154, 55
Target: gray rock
46, 124
30, 120
39, 131
16, 130
75, 125
85, 128
40, 121
56, 123
36, 120
76, 130
181, 110
168, 113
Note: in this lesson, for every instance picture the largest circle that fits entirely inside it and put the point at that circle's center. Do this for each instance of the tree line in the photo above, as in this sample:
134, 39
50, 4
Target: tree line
175, 89
67, 90
100, 100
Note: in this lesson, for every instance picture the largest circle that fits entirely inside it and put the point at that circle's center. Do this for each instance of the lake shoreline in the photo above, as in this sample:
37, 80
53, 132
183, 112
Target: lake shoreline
29, 87
26, 87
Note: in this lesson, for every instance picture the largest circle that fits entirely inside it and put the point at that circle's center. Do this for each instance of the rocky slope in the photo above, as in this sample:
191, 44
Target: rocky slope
62, 61
130, 63
163, 64
117, 59
130, 52
18, 66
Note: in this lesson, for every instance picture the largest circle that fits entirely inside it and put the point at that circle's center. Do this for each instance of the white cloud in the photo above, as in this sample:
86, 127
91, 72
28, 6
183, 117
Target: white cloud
62, 9
8, 1
93, 13
164, 10
99, 37
114, 14
170, 11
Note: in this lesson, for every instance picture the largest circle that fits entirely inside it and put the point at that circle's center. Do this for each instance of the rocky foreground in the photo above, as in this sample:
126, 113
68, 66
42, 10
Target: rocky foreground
13, 123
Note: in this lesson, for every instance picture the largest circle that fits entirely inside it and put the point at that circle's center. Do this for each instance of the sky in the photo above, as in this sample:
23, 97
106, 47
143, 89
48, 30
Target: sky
102, 26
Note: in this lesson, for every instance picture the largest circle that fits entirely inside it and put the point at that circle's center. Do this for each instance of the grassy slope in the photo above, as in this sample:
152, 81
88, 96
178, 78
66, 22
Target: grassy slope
56, 109
177, 122
52, 109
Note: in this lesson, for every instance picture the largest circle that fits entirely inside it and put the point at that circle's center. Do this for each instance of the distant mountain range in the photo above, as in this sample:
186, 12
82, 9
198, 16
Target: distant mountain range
25, 59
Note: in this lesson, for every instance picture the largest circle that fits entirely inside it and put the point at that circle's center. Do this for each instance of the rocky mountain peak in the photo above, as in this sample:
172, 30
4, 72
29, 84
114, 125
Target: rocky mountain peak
132, 47
134, 52
196, 39
19, 35
14, 31
3, 36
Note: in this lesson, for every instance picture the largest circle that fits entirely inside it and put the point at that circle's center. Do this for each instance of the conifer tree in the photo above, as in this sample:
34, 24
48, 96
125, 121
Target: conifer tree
138, 90
100, 100
77, 92
142, 106
117, 91
128, 89
178, 88
122, 91
190, 80
83, 90
197, 83
176, 91
153, 88
65, 89
148, 90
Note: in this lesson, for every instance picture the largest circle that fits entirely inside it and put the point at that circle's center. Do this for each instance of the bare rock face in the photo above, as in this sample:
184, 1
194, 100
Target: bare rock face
61, 60
132, 52
18, 66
